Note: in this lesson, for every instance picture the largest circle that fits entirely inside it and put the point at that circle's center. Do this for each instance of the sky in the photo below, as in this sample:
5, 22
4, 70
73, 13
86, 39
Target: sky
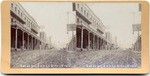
53, 18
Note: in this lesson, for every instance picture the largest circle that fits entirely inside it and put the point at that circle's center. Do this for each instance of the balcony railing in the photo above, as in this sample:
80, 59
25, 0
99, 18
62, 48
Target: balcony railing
83, 17
16, 23
23, 26
18, 17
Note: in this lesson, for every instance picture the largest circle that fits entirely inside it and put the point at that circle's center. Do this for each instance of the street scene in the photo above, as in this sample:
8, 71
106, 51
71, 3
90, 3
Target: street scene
75, 35
70, 59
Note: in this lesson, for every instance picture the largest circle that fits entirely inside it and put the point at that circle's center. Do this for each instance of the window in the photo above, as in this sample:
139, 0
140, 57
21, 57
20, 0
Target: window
78, 6
21, 14
84, 12
28, 23
81, 9
11, 5
15, 8
87, 14
18, 11
11, 19
77, 20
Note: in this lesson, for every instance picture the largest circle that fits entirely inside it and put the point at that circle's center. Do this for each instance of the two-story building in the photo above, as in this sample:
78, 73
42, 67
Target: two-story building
89, 29
24, 29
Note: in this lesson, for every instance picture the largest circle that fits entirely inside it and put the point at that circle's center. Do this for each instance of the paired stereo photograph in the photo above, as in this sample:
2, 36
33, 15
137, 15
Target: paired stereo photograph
99, 37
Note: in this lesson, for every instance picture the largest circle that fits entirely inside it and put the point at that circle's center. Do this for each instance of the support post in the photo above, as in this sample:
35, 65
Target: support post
32, 43
89, 40
28, 43
16, 39
93, 41
97, 43
82, 38
22, 40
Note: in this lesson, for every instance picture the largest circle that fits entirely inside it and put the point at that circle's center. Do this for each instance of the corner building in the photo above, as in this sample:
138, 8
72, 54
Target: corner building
24, 29
89, 29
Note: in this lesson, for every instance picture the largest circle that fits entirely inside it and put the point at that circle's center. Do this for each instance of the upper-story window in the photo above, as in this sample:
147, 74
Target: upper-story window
81, 22
26, 21
31, 25
11, 19
87, 14
11, 5
21, 14
77, 20
29, 22
15, 8
78, 5
84, 12
18, 11
81, 9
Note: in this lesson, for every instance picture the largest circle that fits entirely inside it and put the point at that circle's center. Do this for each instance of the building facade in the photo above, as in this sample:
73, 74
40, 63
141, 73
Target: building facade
137, 29
108, 36
89, 29
43, 36
44, 44
24, 29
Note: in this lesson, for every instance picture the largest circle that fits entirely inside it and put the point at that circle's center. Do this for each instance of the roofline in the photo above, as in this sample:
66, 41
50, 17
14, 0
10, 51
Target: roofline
27, 13
94, 14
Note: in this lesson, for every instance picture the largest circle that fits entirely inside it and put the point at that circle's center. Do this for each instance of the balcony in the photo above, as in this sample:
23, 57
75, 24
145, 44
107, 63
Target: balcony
100, 31
23, 26
83, 17
34, 29
16, 23
20, 19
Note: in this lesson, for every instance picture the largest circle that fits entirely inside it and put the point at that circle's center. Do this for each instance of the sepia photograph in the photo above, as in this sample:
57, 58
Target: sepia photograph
75, 35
